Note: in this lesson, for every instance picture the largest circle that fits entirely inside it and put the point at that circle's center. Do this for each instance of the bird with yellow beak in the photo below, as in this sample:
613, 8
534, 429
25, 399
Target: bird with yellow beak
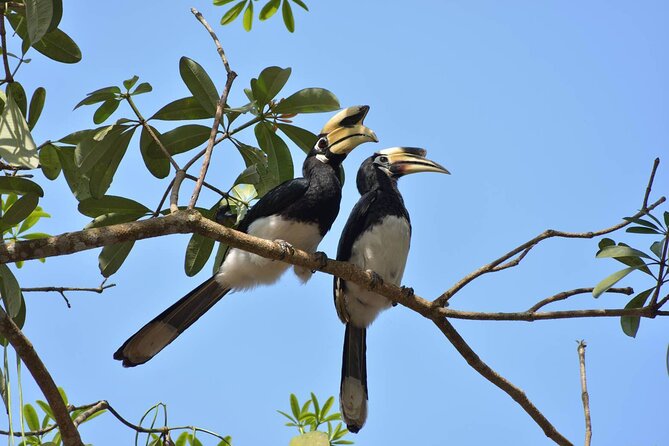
376, 237
298, 213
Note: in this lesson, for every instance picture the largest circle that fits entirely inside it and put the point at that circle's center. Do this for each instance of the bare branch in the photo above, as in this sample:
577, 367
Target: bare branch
529, 316
164, 197
26, 352
660, 273
549, 233
219, 110
176, 185
514, 392
567, 294
656, 163
584, 392
61, 290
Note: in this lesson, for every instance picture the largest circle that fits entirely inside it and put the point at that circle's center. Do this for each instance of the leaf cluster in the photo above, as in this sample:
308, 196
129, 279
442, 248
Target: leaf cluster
268, 10
310, 415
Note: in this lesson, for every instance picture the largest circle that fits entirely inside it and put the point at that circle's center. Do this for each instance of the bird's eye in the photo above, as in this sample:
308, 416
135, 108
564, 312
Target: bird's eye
383, 159
322, 143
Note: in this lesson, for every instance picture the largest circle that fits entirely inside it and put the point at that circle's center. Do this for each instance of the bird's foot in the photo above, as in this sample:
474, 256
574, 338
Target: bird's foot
286, 248
322, 260
407, 292
375, 281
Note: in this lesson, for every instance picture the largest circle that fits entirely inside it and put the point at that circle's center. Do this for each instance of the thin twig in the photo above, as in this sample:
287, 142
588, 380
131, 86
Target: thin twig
584, 392
488, 373
162, 200
61, 290
549, 233
176, 185
656, 163
26, 352
3, 41
219, 110
566, 294
529, 316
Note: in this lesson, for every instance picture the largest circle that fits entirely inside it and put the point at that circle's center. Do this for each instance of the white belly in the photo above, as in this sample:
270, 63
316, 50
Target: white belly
384, 249
243, 270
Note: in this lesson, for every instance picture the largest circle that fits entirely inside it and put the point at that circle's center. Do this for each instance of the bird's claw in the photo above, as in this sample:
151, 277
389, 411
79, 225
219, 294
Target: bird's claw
375, 281
407, 292
322, 260
286, 248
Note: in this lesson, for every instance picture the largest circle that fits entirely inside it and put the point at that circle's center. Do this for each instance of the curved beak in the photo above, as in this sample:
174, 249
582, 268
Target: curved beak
345, 130
408, 160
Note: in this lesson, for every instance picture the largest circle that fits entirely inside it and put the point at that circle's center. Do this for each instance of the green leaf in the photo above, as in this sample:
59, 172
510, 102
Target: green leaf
248, 176
279, 160
232, 13
30, 414
269, 83
58, 46
112, 257
180, 139
301, 4
49, 162
656, 248
10, 290
308, 100
621, 251
303, 138
144, 87
19, 211
158, 165
315, 438
17, 146
197, 253
270, 8
317, 407
288, 18
666, 218
641, 230
111, 219
36, 106
182, 109
46, 408
19, 95
94, 98
629, 261
111, 204
327, 406
611, 280
294, 406
641, 221
222, 2
19, 185
105, 110
221, 251
76, 180
103, 173
39, 14
630, 324
247, 21
33, 218
129, 83
57, 14
95, 147
199, 84
226, 441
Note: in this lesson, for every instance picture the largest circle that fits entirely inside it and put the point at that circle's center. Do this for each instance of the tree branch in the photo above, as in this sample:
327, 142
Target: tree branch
3, 42
567, 294
656, 163
62, 289
584, 392
514, 392
219, 110
27, 353
522, 250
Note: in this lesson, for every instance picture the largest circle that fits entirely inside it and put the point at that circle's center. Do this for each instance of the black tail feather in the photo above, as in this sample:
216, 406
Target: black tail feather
168, 325
353, 393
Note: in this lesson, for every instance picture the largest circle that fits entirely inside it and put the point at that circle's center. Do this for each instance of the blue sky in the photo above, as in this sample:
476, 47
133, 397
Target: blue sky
548, 114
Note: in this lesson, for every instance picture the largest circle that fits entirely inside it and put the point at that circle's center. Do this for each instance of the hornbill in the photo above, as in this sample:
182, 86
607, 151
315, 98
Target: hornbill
296, 213
376, 237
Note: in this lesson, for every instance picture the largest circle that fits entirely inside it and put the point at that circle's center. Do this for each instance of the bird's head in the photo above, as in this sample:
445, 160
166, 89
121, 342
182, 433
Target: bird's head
341, 134
394, 163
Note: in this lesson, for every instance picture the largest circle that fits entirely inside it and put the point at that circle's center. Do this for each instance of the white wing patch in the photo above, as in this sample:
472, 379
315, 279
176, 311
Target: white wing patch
242, 270
383, 249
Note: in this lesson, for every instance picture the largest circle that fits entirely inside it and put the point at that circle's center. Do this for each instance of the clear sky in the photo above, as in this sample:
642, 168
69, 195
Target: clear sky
548, 114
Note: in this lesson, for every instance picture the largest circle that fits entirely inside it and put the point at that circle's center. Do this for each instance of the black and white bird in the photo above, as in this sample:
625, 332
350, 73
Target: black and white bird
376, 237
296, 213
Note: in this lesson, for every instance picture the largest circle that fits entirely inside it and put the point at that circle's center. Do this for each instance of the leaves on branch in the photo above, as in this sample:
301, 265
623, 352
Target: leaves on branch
199, 84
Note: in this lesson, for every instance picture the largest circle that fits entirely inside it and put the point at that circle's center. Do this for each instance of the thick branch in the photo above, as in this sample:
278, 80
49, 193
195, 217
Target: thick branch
27, 353
584, 392
514, 392
522, 250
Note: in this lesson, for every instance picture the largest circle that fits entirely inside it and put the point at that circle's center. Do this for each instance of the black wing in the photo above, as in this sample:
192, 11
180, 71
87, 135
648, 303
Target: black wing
274, 201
